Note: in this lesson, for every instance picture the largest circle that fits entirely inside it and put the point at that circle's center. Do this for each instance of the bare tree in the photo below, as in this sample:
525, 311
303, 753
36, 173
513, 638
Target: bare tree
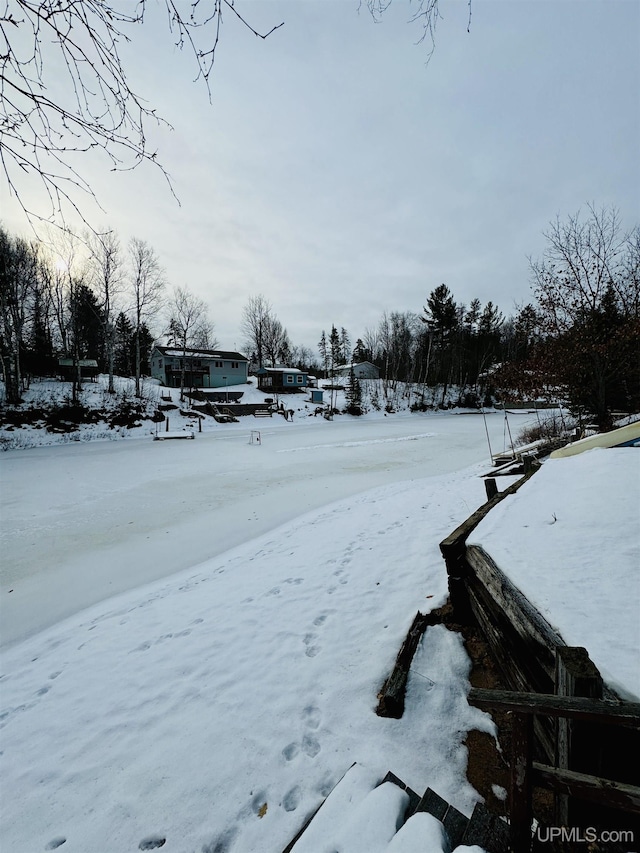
18, 273
188, 324
587, 290
107, 279
275, 341
255, 317
581, 261
93, 106
424, 12
147, 285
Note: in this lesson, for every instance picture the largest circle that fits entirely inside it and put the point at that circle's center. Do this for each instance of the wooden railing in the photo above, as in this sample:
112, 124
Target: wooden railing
526, 773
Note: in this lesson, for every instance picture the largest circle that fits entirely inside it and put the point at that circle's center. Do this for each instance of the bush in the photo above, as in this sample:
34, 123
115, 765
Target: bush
550, 426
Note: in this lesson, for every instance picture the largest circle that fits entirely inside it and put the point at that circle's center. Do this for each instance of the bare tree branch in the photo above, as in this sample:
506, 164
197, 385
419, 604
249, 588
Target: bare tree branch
49, 117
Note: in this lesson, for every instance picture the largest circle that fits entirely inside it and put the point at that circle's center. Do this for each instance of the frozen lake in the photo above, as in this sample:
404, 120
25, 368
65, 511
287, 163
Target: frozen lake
85, 521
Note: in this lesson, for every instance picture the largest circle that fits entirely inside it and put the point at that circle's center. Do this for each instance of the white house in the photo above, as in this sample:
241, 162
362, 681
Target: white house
361, 370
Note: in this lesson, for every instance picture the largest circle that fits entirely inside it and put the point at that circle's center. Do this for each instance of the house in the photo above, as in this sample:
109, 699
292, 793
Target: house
203, 368
68, 368
282, 380
361, 370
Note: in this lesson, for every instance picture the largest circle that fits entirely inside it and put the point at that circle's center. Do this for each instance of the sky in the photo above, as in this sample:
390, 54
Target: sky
341, 175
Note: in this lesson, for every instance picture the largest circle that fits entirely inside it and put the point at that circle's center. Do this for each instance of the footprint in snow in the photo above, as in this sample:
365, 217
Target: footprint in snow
55, 843
292, 799
312, 717
311, 649
152, 842
310, 745
290, 751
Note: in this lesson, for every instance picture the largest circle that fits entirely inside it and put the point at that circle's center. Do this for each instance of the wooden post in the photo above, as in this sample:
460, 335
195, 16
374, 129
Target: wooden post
520, 782
576, 675
167, 426
491, 487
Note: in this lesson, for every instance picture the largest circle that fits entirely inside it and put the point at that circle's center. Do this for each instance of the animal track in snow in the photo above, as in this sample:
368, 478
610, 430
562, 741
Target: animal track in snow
312, 717
222, 843
152, 842
311, 649
292, 799
55, 843
290, 751
310, 745
326, 785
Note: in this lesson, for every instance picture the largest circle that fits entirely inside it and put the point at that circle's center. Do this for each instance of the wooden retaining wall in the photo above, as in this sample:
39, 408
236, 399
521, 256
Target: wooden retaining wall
533, 658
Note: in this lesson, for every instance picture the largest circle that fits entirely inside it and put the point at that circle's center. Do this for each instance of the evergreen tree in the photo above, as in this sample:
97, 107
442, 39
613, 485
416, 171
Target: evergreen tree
324, 354
124, 344
354, 394
345, 347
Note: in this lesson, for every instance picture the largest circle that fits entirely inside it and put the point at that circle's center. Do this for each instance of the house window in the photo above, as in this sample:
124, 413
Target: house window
218, 364
299, 379
235, 365
289, 379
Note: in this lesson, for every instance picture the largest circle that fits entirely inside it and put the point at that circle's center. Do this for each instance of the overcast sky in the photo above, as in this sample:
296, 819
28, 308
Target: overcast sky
340, 175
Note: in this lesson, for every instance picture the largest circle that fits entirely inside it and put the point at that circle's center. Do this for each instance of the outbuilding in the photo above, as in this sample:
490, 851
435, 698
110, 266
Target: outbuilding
281, 380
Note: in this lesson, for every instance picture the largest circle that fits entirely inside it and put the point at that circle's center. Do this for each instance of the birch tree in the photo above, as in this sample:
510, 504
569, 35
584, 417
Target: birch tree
146, 285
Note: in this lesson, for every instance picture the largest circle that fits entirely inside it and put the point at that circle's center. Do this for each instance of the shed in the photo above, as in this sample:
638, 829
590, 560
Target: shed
316, 395
284, 380
67, 368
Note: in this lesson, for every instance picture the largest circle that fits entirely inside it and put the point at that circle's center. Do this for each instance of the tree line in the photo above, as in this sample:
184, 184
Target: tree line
88, 298
578, 340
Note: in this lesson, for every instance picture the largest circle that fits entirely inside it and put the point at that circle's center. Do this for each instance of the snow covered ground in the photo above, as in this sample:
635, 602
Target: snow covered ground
218, 706
211, 709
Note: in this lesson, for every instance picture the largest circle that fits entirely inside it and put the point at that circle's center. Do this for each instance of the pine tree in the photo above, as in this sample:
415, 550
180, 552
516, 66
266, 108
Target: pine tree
324, 353
354, 394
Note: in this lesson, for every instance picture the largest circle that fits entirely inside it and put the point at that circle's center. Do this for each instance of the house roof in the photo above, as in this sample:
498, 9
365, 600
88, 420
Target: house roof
178, 352
262, 370
82, 362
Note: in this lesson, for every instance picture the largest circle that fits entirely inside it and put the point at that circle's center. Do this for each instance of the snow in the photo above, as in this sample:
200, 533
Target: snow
194, 633
569, 541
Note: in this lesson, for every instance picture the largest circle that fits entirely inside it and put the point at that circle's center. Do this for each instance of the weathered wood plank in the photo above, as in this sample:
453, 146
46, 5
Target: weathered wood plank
616, 795
576, 708
524, 617
520, 803
576, 748
391, 696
